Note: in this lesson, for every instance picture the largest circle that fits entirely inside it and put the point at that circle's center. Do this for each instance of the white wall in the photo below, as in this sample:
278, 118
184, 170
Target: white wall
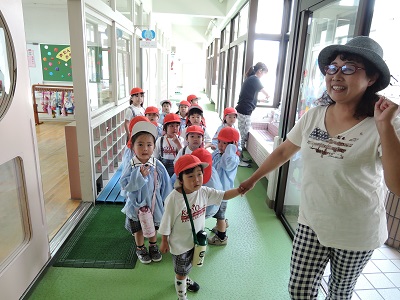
46, 24
189, 66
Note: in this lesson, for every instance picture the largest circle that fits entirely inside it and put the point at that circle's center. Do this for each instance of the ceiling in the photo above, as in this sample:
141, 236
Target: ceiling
186, 19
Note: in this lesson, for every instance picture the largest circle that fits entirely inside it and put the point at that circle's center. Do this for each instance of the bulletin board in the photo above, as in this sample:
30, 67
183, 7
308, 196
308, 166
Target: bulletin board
56, 62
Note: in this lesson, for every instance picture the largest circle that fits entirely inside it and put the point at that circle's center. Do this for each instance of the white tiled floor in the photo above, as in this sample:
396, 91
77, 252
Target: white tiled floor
380, 278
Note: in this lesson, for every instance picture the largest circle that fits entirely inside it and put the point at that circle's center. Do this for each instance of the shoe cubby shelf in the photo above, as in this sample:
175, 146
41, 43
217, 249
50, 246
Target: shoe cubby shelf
108, 144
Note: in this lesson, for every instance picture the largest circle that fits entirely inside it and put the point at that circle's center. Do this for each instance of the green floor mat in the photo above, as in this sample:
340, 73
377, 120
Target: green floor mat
100, 241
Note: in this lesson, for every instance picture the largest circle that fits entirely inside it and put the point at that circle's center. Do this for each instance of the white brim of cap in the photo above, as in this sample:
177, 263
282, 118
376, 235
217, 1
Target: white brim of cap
146, 127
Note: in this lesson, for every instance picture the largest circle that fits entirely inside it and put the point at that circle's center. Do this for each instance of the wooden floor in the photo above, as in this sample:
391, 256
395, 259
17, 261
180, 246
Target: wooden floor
54, 170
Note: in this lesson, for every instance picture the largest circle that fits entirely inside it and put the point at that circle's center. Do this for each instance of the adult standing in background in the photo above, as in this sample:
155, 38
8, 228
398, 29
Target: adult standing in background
248, 101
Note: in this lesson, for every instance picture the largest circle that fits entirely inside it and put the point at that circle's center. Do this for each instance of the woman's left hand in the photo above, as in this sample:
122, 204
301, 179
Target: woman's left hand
385, 110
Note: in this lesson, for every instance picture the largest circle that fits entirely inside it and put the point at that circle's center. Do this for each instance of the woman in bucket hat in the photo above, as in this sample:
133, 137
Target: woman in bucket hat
175, 225
350, 147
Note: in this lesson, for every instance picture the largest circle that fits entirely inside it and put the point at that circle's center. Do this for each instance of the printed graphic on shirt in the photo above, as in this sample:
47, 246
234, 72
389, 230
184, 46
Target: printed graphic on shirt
197, 211
334, 147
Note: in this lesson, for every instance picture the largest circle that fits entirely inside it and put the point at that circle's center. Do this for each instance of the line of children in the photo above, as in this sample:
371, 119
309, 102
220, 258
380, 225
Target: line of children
135, 107
140, 169
147, 184
175, 226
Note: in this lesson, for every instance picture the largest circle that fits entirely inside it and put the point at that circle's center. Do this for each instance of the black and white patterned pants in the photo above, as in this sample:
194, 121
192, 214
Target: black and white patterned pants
308, 262
244, 124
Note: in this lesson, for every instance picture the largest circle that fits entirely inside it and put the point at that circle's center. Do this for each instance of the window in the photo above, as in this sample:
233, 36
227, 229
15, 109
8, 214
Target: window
98, 49
7, 80
123, 63
269, 17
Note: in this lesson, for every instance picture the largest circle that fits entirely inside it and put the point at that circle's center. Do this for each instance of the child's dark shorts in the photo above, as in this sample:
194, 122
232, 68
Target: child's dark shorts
133, 226
183, 262
220, 215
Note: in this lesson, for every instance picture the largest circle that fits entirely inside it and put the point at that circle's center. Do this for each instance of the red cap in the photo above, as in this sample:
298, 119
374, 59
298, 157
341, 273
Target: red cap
184, 102
186, 162
196, 106
136, 90
172, 118
228, 134
229, 110
195, 129
204, 156
191, 97
151, 110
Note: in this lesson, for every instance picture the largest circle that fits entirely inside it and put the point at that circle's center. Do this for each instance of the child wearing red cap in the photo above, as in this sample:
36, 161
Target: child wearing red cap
175, 225
195, 117
193, 99
225, 161
183, 108
194, 140
165, 110
168, 145
152, 113
135, 108
147, 184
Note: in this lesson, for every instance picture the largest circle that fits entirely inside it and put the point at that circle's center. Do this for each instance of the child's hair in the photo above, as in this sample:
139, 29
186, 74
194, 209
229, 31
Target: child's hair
194, 110
188, 171
137, 135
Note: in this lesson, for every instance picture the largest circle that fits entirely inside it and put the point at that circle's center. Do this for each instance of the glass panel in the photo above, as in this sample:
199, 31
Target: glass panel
231, 70
239, 73
12, 229
269, 16
384, 22
267, 52
125, 8
243, 19
6, 58
331, 24
98, 48
123, 63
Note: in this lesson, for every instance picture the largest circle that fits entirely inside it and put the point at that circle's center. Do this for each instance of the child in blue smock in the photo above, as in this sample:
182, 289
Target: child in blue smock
147, 184
128, 151
225, 161
230, 117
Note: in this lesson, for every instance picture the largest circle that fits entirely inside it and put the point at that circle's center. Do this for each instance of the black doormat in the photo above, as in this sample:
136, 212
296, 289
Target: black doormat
100, 241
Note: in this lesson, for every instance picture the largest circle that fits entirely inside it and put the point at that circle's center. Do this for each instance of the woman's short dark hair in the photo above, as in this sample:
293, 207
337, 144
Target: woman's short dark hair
188, 171
140, 133
366, 106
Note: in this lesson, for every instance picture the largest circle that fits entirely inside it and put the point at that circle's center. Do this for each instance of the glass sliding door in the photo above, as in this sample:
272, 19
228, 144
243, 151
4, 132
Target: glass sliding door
330, 24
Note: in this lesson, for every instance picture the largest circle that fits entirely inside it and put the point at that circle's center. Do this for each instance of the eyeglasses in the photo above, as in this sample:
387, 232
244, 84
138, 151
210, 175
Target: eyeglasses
345, 69
137, 95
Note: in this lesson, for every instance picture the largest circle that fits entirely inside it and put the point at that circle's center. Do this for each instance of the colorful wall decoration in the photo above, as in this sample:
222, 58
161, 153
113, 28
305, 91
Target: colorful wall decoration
56, 62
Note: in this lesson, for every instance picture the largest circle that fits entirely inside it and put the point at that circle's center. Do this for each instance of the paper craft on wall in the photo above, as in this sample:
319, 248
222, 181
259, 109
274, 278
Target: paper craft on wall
56, 62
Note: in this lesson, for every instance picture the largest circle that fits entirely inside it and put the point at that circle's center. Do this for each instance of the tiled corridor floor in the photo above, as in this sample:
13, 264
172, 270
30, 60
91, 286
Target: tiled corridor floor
380, 278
